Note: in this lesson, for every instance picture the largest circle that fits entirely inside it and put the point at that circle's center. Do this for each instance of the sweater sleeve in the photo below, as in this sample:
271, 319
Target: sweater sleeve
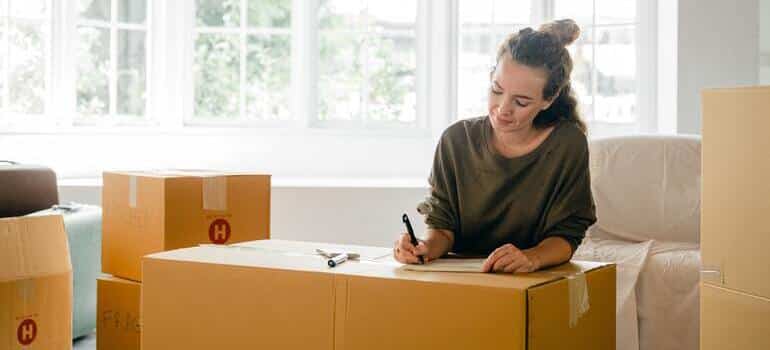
573, 210
443, 191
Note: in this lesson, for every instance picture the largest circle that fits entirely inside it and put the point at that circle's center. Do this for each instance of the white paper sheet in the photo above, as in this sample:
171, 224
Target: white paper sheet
449, 265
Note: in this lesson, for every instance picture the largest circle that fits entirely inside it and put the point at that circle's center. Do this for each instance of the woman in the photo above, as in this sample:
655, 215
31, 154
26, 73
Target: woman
514, 185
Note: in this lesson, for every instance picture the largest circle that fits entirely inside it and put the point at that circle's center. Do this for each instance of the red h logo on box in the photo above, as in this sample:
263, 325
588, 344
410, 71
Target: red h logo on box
26, 332
219, 231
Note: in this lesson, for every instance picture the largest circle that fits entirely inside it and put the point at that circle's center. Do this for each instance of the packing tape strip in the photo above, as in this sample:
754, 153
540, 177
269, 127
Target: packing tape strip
712, 274
132, 191
215, 193
578, 298
578, 294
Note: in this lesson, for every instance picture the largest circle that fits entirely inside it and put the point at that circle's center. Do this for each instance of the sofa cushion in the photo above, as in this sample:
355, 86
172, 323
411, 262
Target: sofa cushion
646, 187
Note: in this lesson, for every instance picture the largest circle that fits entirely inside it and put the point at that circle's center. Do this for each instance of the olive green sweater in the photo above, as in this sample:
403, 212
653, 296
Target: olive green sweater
488, 200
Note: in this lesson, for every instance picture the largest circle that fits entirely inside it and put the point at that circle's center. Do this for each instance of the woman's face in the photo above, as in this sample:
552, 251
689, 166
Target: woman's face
515, 95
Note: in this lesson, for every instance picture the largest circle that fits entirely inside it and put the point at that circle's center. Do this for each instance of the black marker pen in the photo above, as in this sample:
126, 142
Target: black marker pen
415, 242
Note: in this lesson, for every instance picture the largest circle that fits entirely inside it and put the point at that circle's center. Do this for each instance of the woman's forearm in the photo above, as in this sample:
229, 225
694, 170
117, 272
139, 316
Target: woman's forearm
550, 252
439, 242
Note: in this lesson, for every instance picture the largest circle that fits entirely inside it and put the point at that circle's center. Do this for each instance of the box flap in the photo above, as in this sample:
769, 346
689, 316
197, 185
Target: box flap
113, 279
176, 173
300, 256
33, 246
732, 319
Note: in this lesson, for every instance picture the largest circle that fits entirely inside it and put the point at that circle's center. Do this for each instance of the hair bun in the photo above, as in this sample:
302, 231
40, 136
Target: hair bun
566, 31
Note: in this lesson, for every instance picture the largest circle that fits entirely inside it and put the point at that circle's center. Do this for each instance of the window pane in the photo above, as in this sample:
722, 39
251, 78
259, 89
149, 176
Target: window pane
615, 11
483, 27
341, 14
579, 10
27, 67
131, 72
368, 60
616, 75
269, 13
132, 11
29, 8
94, 9
509, 12
476, 12
340, 82
392, 14
218, 13
93, 54
267, 67
581, 53
392, 62
477, 56
217, 77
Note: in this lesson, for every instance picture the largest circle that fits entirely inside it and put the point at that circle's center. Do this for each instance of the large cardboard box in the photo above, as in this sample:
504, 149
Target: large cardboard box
735, 189
35, 284
733, 320
148, 212
118, 323
276, 294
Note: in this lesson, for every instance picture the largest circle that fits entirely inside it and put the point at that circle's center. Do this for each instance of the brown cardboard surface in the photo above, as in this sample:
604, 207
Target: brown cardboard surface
209, 306
170, 212
735, 189
118, 321
549, 315
35, 284
733, 320
215, 296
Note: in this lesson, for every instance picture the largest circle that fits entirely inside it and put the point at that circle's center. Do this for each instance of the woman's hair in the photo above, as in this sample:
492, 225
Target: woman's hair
545, 48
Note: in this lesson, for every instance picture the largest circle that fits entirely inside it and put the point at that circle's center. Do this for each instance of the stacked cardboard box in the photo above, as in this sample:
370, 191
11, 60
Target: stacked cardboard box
278, 294
150, 212
35, 284
735, 290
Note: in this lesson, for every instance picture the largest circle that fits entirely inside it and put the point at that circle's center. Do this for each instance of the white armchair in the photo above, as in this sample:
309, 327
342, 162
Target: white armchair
647, 194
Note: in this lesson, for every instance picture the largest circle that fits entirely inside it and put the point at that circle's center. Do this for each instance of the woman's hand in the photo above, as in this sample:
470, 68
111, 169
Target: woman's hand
510, 259
406, 253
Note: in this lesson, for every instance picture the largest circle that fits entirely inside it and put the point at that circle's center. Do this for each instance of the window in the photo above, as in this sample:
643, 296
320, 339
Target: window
368, 62
295, 88
25, 56
483, 26
242, 60
604, 57
112, 45
604, 75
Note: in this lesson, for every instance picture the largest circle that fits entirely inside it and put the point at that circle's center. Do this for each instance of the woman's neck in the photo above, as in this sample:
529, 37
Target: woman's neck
519, 142
517, 138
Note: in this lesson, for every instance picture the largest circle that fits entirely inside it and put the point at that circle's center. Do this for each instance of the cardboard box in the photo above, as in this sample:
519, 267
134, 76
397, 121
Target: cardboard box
155, 211
733, 320
35, 284
118, 323
276, 294
735, 189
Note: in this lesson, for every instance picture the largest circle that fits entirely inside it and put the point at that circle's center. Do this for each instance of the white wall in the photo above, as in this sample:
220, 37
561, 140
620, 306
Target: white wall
702, 43
327, 153
764, 42
367, 215
717, 45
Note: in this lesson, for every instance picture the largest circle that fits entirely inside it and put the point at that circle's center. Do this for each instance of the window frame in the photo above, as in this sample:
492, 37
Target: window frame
113, 25
35, 119
170, 93
645, 27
